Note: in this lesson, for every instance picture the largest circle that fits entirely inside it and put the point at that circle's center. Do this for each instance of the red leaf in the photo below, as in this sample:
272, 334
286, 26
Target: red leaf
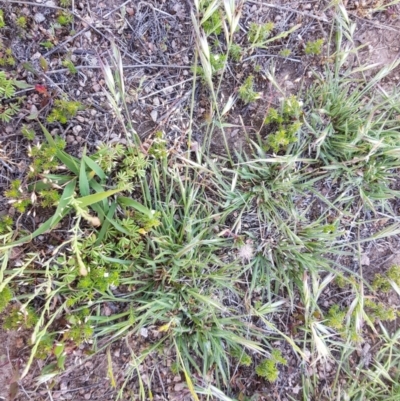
41, 89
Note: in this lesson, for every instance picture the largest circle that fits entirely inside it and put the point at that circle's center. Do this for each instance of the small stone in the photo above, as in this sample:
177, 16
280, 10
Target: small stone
289, 84
96, 87
154, 115
87, 396
177, 378
278, 18
39, 17
80, 119
144, 332
70, 139
36, 56
77, 129
179, 387
156, 101
88, 35
307, 6
365, 260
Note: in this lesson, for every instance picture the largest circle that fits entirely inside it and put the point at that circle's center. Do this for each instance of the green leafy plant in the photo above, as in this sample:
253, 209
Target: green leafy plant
314, 47
246, 91
6, 223
65, 18
158, 148
268, 368
242, 357
213, 24
383, 282
259, 33
335, 317
28, 132
20, 318
7, 91
64, 110
7, 58
44, 157
284, 123
235, 52
70, 65
379, 311
5, 298
47, 44
2, 22
19, 198
285, 52
21, 22
217, 63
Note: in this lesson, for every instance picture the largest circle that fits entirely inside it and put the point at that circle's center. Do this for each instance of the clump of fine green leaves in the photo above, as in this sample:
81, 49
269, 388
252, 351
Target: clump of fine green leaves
268, 368
259, 33
314, 48
8, 88
64, 110
5, 298
283, 124
246, 91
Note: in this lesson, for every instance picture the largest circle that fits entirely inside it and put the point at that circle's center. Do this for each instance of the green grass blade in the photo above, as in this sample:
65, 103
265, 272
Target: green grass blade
95, 167
84, 188
71, 162
124, 201
94, 198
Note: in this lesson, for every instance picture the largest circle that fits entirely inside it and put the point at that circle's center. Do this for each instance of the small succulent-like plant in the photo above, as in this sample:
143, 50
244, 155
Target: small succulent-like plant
246, 91
284, 123
314, 48
241, 356
258, 33
70, 65
268, 368
64, 110
65, 18
335, 317
2, 22
21, 22
5, 298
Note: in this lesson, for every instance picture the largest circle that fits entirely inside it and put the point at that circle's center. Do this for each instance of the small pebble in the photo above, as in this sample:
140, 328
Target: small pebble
179, 387
154, 115
70, 139
39, 17
77, 129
